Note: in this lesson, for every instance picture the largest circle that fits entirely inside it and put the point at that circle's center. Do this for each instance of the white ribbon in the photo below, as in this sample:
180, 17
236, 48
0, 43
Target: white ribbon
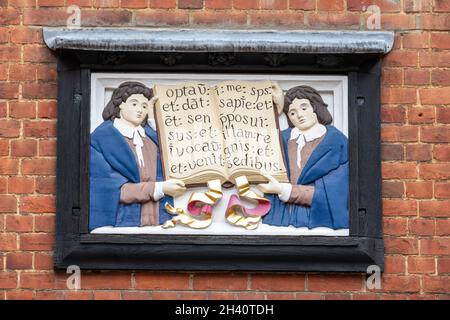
315, 132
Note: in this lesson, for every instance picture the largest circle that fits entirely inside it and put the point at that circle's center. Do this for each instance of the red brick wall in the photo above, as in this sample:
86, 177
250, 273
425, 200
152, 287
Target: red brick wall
415, 134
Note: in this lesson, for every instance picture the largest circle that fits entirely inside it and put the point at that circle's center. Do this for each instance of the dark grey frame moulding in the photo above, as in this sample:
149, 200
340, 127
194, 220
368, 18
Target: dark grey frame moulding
356, 54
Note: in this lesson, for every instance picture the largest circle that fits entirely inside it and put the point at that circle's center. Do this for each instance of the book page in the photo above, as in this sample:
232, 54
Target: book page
191, 140
250, 127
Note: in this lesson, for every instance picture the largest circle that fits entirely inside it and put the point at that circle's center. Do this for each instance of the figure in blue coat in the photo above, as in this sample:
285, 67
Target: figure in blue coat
316, 156
126, 180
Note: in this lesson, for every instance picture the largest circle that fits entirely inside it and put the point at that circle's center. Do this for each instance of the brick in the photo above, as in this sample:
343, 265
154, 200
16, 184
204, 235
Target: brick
421, 265
45, 17
392, 189
394, 264
9, 53
330, 5
45, 223
36, 241
440, 40
8, 279
46, 72
219, 18
133, 4
419, 189
416, 6
331, 19
275, 4
392, 133
3, 189
9, 91
384, 5
40, 129
3, 71
401, 58
19, 295
46, 185
98, 18
17, 223
416, 40
396, 283
276, 18
106, 280
421, 115
48, 295
9, 16
107, 295
25, 35
440, 77
43, 261
24, 148
162, 281
47, 109
443, 115
405, 170
22, 72
302, 4
8, 203
441, 6
106, 3
190, 4
422, 227
434, 59
392, 76
19, 260
3, 108
39, 90
245, 4
433, 208
47, 147
220, 282
266, 282
435, 246
22, 109
391, 114
37, 280
51, 3
218, 4
443, 265
442, 227
418, 152
442, 190
39, 166
20, 185
435, 22
391, 151
38, 204
9, 128
402, 246
161, 17
395, 226
416, 77
398, 22
249, 295
9, 166
441, 152
399, 207
398, 95
435, 96
334, 283
78, 295
8, 242
136, 295
434, 171
163, 4
438, 284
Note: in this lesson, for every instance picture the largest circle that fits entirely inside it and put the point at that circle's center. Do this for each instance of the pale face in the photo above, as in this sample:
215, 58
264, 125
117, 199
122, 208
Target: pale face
135, 109
301, 114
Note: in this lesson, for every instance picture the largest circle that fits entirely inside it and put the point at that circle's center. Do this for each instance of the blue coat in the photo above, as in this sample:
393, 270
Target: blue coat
327, 169
112, 164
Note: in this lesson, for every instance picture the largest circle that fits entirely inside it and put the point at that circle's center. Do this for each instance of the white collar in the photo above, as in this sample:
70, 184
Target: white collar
151, 123
314, 132
126, 129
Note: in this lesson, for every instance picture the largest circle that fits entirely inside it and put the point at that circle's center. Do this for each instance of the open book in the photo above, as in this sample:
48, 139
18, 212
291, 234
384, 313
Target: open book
219, 132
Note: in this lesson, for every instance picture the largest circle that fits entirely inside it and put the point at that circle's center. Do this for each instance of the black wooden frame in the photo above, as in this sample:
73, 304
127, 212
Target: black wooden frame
354, 253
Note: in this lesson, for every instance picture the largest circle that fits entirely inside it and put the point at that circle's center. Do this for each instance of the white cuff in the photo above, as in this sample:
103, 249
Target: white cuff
158, 193
286, 189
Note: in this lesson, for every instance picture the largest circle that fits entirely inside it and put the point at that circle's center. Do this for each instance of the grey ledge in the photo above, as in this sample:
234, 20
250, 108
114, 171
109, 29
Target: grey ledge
210, 40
